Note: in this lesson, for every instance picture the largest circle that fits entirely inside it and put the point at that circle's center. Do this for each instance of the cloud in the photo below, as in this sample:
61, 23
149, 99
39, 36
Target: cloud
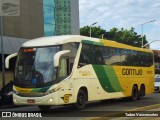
155, 45
126, 14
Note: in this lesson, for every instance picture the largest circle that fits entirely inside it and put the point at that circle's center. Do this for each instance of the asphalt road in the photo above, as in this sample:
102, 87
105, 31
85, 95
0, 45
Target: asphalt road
93, 109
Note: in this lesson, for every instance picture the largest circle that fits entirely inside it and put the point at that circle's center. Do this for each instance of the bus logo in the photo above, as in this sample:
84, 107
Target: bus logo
66, 98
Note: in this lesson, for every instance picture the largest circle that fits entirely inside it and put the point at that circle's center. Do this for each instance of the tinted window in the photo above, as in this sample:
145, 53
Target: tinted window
103, 55
98, 53
87, 54
113, 56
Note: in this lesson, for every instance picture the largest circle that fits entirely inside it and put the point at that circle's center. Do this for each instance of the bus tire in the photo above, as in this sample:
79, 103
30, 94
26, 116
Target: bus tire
81, 100
140, 96
44, 107
134, 95
141, 92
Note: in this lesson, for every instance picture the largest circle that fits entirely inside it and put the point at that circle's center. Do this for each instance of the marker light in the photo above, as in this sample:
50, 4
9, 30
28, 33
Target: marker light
29, 50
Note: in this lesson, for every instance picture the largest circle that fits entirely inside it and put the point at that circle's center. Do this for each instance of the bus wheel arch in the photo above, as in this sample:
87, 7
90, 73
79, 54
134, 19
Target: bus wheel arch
82, 98
134, 92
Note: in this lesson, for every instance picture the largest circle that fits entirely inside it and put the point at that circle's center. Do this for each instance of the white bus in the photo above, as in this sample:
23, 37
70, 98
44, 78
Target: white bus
74, 69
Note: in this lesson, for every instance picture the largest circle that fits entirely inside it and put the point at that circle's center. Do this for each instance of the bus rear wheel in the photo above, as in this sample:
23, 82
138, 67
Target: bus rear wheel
81, 100
134, 95
141, 92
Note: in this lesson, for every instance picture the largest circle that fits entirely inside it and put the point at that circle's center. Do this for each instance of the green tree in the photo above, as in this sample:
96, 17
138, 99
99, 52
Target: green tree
96, 32
129, 37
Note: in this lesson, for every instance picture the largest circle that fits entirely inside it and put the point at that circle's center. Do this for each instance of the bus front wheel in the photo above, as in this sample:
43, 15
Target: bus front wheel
81, 100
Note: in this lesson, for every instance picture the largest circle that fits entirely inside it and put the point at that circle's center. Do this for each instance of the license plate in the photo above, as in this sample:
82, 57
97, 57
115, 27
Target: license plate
31, 101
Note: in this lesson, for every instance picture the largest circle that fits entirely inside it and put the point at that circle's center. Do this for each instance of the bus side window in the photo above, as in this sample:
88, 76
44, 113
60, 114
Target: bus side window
83, 60
63, 68
87, 55
99, 58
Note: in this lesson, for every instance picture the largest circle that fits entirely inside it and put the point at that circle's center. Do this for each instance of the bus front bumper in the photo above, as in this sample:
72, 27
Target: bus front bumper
50, 99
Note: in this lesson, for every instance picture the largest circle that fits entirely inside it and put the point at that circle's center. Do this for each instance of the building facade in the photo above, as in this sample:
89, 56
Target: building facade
37, 18
60, 17
43, 18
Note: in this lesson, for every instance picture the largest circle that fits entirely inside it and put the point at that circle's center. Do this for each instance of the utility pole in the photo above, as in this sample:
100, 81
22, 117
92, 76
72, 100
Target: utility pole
2, 49
149, 43
91, 29
142, 28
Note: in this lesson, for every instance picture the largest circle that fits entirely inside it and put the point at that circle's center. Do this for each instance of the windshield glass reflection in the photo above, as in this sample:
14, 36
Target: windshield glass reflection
35, 65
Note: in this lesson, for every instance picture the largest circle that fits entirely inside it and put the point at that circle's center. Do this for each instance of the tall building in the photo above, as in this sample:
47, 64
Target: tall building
61, 17
39, 18
36, 18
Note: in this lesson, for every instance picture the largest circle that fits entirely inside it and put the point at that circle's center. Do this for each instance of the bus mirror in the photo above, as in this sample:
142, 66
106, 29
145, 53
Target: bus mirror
58, 55
8, 58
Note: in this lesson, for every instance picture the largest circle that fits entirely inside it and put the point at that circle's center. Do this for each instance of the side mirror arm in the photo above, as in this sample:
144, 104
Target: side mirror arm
58, 55
8, 58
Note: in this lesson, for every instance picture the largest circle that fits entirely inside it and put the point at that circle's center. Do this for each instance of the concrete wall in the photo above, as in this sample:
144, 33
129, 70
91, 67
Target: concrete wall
75, 17
8, 76
30, 22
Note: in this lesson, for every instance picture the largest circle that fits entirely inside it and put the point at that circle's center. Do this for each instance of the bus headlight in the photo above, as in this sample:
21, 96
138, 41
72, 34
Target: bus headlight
50, 100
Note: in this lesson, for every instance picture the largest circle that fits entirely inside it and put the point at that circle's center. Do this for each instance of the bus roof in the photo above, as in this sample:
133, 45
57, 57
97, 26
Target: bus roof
57, 40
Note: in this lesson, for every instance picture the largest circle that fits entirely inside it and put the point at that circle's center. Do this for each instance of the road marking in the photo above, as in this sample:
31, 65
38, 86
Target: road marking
145, 107
120, 113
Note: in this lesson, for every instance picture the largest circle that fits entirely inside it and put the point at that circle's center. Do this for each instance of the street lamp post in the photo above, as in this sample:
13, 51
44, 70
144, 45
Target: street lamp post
142, 28
91, 26
2, 49
149, 43
103, 35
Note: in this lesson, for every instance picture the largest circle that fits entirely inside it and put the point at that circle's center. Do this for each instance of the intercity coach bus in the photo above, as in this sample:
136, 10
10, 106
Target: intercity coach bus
74, 69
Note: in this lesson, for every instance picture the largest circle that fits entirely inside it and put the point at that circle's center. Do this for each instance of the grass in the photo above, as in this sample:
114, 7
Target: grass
8, 77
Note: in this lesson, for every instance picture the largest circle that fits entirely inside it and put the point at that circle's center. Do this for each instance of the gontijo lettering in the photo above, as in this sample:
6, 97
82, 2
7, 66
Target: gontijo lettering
131, 71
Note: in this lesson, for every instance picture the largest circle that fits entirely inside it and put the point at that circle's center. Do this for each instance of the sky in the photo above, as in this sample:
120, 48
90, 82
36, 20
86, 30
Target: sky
123, 14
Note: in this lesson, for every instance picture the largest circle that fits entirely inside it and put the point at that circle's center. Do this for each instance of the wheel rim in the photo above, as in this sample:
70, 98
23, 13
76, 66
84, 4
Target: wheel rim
81, 100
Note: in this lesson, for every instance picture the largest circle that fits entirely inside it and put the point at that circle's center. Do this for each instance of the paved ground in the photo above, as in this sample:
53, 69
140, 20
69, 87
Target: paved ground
153, 110
95, 110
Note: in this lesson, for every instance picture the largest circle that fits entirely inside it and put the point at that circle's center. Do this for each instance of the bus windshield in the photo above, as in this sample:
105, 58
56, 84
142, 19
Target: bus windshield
35, 66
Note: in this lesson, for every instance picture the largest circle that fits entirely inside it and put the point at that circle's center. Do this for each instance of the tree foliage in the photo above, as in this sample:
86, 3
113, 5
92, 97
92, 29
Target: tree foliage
96, 32
129, 37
